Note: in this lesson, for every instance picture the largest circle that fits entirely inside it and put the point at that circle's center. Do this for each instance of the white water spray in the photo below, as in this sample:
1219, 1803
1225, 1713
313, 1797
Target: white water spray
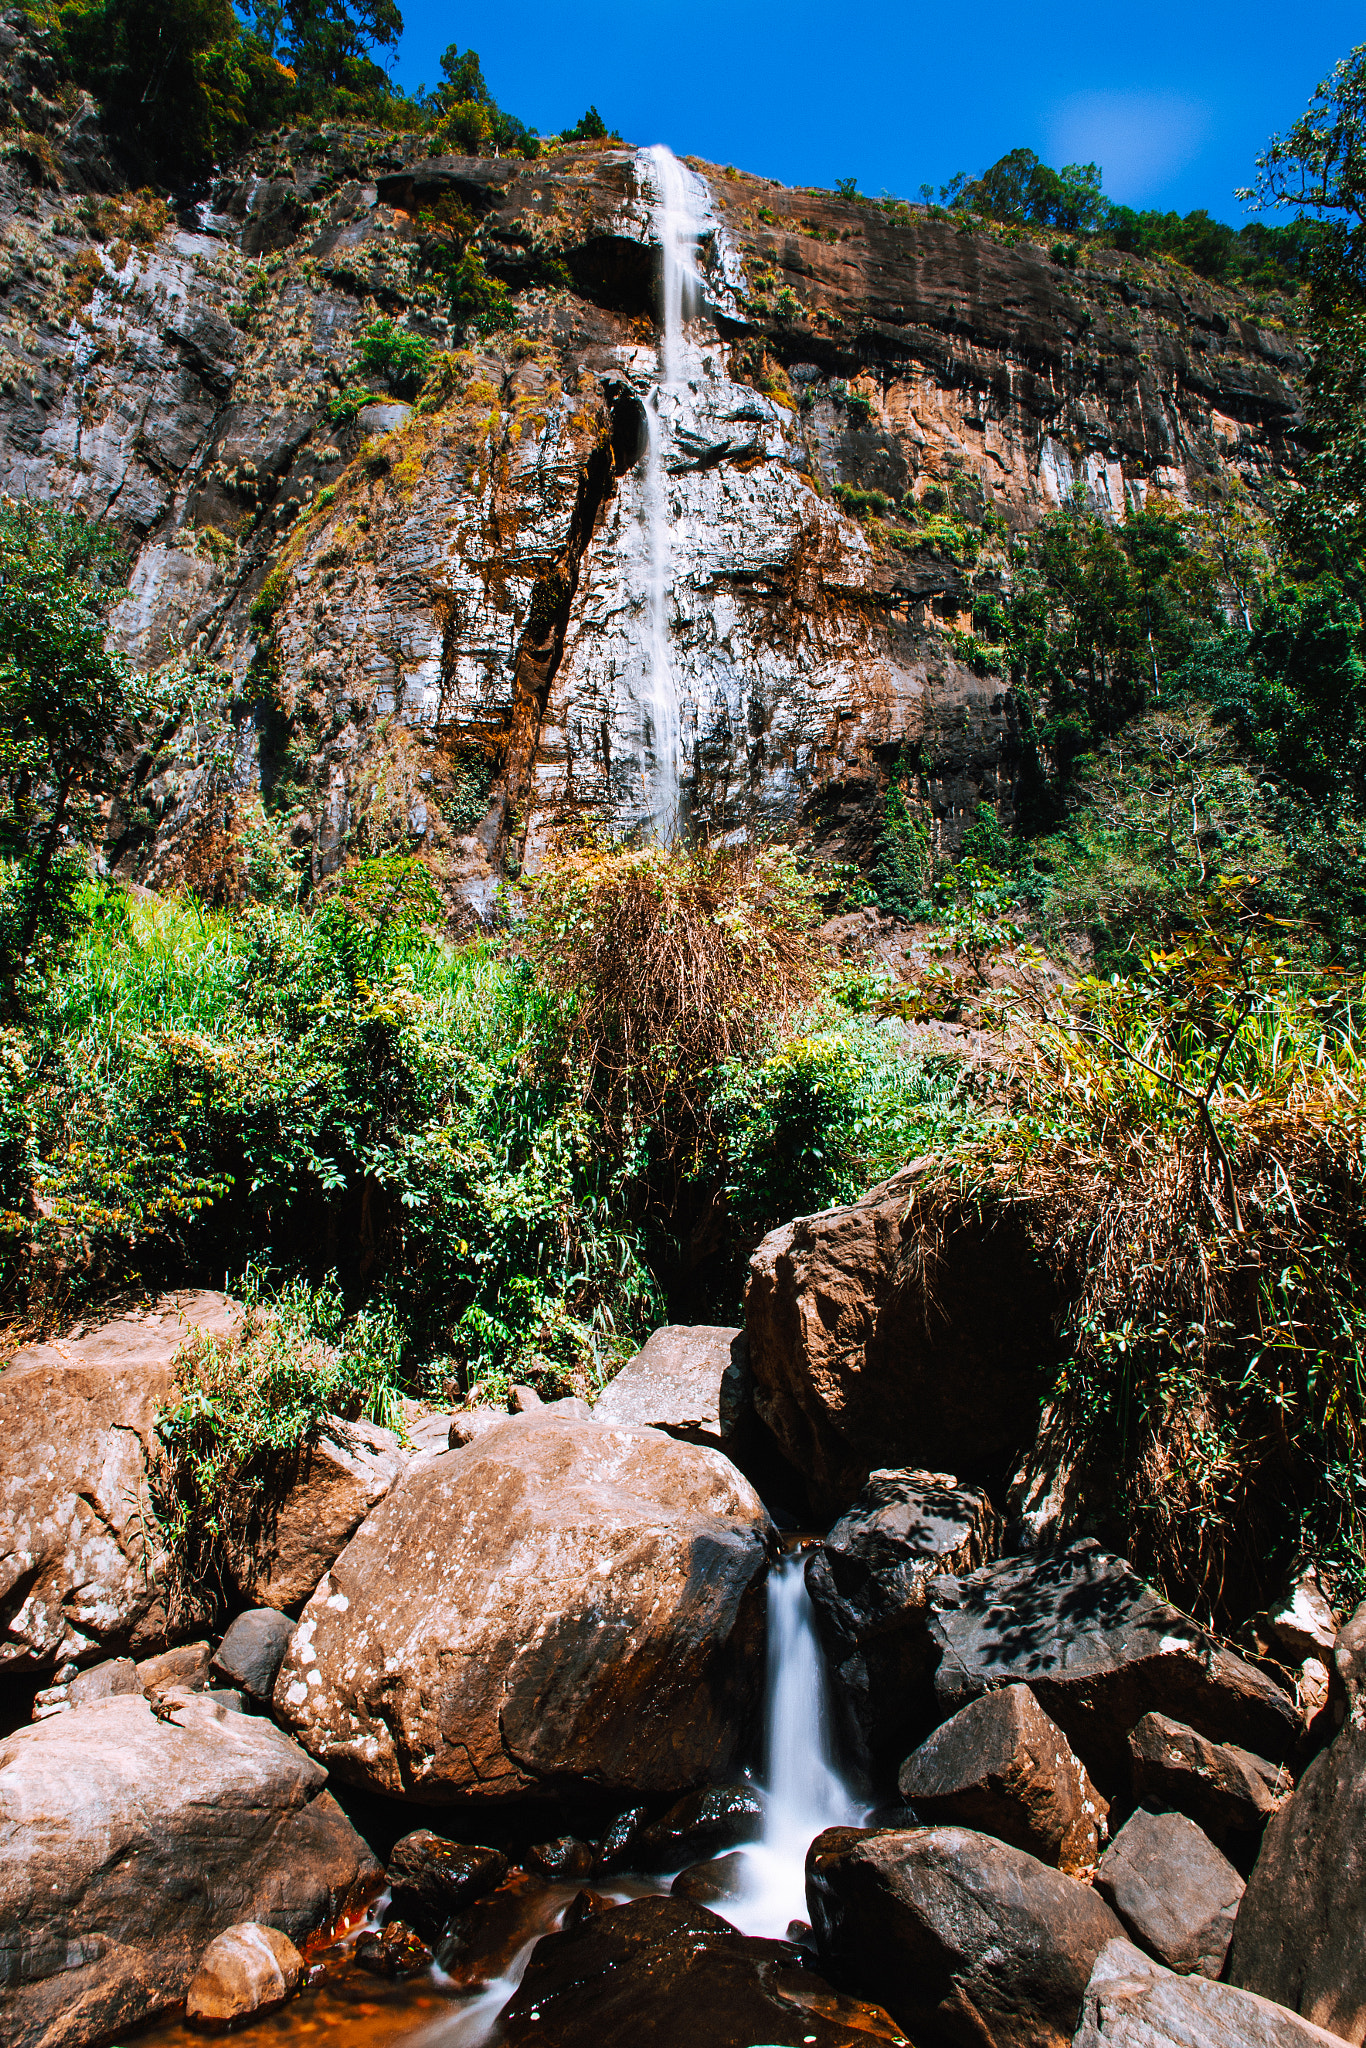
677, 214
804, 1793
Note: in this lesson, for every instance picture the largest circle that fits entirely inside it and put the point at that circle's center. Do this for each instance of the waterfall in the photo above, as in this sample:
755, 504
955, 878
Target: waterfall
676, 219
804, 1792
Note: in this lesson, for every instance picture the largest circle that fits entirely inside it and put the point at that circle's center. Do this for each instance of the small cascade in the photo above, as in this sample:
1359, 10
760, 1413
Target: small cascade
677, 214
804, 1790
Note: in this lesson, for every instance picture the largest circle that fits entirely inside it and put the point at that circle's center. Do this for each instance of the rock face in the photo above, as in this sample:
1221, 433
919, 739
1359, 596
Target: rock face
1173, 1890
864, 1359
868, 1582
691, 1379
956, 1934
1230, 1792
669, 1972
245, 1970
1300, 1936
558, 1601
1098, 1649
1001, 1766
111, 1883
1132, 2002
80, 1556
323, 1499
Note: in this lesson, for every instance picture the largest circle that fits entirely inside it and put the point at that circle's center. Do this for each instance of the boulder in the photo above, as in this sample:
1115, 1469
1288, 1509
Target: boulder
247, 1969
431, 1879
128, 1843
1001, 1766
866, 1354
868, 1583
321, 1499
565, 1857
614, 1851
184, 1669
671, 1973
252, 1651
484, 1940
98, 1682
1098, 1649
81, 1558
698, 1825
713, 1882
963, 1939
1132, 2002
471, 1423
691, 1379
1300, 1936
1230, 1792
1349, 1660
560, 1601
1173, 1890
397, 1952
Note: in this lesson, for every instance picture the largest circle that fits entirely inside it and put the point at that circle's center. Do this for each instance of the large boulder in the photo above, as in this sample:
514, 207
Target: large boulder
1300, 1936
319, 1499
961, 1937
691, 1379
670, 1972
560, 1601
869, 1350
1098, 1649
128, 1843
1230, 1792
1000, 1765
1132, 2002
868, 1584
1173, 1890
249, 1969
81, 1557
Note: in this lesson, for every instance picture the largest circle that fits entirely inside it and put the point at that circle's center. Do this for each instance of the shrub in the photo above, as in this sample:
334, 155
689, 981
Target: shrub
399, 356
269, 598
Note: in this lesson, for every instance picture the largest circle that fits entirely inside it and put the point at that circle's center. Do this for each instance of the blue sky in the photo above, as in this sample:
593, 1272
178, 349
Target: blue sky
1172, 100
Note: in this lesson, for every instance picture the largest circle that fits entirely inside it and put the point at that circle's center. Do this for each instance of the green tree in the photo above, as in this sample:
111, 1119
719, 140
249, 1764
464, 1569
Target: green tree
63, 696
1302, 705
1319, 167
1020, 187
329, 45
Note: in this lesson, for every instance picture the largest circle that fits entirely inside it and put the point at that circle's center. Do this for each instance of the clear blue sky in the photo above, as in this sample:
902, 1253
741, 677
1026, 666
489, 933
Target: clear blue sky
1173, 100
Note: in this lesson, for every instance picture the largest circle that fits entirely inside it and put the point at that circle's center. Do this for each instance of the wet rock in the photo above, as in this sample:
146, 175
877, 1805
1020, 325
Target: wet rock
564, 1857
868, 1583
856, 1367
1230, 1792
81, 1557
1098, 1649
247, 1969
712, 1882
1001, 1766
691, 1379
614, 1851
961, 1937
398, 1952
560, 1600
583, 1906
111, 1883
431, 1878
700, 1825
330, 1489
252, 1651
1132, 2002
484, 1939
1300, 1936
674, 1974
1173, 1890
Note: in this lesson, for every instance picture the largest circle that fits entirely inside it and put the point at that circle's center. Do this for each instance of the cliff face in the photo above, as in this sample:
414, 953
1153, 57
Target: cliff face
433, 622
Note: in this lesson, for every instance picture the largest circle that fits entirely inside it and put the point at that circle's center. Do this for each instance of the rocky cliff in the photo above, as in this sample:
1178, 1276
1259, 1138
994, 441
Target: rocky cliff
428, 625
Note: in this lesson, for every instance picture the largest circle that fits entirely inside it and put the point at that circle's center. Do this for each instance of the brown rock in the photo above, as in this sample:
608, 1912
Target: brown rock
690, 1379
81, 1557
1349, 1658
484, 1939
700, 1824
112, 1880
100, 1682
1173, 1890
862, 1359
673, 1974
1001, 1766
247, 1969
398, 1952
1132, 2002
565, 1857
962, 1938
431, 1878
1300, 1936
713, 1882
471, 1423
1229, 1791
559, 1600
186, 1667
1098, 1649
252, 1651
323, 1499
868, 1584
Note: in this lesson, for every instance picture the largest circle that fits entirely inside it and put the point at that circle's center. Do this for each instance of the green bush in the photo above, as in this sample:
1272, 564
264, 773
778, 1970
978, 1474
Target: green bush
394, 353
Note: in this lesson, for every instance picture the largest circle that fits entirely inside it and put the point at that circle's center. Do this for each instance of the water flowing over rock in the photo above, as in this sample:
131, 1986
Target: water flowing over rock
560, 1601
111, 1883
